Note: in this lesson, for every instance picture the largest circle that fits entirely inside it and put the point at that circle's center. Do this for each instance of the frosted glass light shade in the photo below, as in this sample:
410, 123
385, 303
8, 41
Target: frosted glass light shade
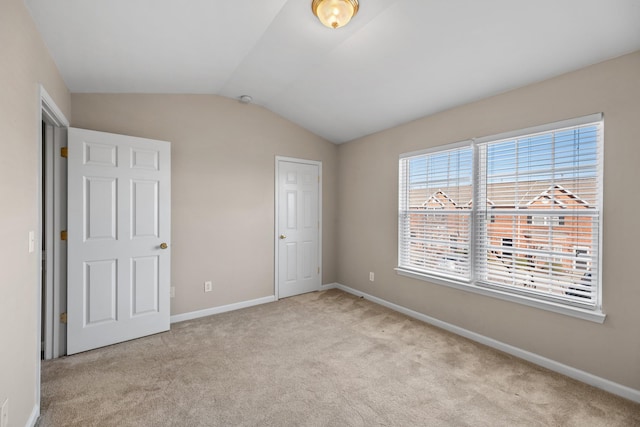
334, 13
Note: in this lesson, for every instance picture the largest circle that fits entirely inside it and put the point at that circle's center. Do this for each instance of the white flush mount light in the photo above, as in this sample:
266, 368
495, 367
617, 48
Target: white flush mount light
245, 99
334, 13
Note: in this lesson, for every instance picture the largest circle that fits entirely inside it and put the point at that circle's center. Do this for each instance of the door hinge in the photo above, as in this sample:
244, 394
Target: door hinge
63, 317
318, 270
64, 152
63, 235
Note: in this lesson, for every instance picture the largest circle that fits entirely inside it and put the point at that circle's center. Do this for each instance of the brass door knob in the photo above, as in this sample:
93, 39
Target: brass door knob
282, 236
163, 246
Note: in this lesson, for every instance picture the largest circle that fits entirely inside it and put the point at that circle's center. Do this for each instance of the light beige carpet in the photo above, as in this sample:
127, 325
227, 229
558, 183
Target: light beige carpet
320, 359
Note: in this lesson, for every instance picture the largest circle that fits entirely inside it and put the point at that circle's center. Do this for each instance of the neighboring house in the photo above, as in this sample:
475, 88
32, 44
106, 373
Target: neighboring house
543, 238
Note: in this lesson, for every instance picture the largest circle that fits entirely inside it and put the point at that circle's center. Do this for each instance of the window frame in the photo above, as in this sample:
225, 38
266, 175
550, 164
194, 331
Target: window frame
474, 285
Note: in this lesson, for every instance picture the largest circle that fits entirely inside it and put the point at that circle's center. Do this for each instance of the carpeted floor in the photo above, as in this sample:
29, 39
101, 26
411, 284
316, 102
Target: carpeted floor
320, 359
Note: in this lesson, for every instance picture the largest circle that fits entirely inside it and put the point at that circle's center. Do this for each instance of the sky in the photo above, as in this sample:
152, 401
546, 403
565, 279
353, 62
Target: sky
550, 156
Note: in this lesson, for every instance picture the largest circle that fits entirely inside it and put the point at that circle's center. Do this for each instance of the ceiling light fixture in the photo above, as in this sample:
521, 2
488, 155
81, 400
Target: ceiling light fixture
334, 13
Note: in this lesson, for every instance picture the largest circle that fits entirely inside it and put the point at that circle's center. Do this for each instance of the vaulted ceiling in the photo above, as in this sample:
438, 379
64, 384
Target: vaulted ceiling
396, 61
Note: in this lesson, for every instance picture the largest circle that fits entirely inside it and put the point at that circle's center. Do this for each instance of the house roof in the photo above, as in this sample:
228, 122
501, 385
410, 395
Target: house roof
439, 200
563, 194
559, 196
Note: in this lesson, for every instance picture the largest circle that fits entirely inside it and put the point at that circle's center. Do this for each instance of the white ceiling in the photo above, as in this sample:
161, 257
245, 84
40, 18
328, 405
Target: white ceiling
396, 61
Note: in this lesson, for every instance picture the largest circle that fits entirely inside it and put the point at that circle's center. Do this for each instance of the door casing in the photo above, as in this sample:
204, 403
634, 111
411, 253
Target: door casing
55, 262
51, 114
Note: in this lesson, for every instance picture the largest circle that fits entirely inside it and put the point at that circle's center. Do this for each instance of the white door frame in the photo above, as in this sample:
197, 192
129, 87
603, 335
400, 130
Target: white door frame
55, 261
50, 114
277, 216
47, 262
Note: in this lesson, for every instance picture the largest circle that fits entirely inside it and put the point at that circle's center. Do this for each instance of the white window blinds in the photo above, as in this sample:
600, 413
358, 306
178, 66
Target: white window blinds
518, 212
538, 213
435, 212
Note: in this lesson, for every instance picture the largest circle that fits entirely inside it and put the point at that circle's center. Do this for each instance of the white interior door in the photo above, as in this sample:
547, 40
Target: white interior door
118, 238
298, 227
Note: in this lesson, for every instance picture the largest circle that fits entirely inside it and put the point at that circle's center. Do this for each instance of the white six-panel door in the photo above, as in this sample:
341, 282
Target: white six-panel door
118, 238
298, 227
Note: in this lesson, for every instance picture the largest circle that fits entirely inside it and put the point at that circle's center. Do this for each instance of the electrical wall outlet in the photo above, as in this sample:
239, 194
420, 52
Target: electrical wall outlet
173, 291
208, 286
4, 414
371, 276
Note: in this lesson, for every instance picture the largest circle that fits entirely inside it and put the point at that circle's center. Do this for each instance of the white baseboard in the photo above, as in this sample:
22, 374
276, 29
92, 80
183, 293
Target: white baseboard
33, 419
222, 309
236, 306
577, 374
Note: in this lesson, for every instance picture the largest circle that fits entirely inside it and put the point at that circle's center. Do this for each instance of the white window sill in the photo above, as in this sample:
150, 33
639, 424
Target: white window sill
580, 313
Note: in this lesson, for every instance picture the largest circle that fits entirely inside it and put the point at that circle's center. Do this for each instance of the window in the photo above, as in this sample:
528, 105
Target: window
507, 242
545, 220
515, 214
435, 233
581, 261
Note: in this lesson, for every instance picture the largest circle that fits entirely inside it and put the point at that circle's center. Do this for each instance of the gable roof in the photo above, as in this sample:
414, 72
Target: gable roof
568, 193
558, 195
439, 200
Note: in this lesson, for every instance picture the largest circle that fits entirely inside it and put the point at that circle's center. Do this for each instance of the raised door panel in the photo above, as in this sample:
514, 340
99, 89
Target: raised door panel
97, 154
144, 209
100, 208
308, 213
101, 292
291, 261
145, 285
292, 210
145, 159
307, 260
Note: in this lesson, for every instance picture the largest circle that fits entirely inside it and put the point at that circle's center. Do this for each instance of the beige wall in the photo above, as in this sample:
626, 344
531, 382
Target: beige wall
24, 64
367, 212
223, 166
223, 172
